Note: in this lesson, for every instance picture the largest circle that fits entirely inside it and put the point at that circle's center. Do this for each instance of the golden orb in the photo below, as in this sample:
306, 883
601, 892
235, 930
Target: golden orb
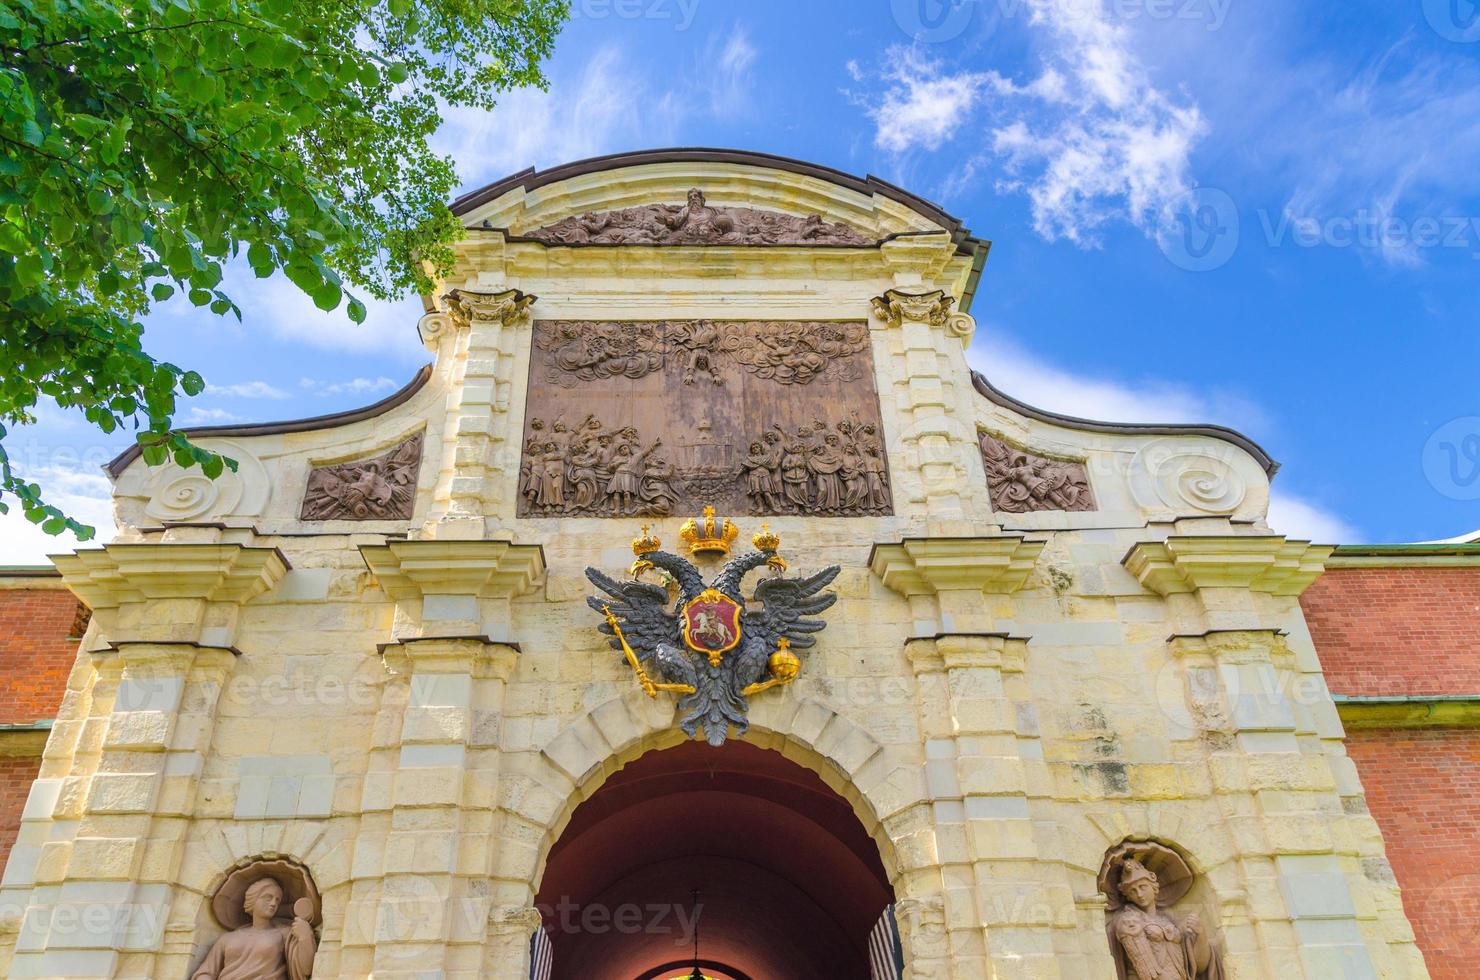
784, 664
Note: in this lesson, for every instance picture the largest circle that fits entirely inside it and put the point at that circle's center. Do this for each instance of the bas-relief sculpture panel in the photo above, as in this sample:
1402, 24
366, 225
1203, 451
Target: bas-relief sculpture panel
696, 222
645, 418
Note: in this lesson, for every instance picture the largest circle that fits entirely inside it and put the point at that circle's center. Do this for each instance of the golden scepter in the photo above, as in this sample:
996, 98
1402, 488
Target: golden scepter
644, 681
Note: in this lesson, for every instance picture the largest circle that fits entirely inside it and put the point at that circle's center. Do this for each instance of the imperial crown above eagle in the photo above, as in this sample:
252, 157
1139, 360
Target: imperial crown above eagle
700, 639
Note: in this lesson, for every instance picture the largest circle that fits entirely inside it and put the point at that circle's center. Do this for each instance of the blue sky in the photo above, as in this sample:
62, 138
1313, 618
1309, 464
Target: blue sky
1261, 213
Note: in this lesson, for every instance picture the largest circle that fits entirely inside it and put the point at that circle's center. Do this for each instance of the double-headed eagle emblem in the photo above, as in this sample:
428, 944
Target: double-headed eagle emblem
707, 644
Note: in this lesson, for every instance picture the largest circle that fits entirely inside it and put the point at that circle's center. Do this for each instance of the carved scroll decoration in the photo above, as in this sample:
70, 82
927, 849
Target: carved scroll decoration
382, 488
695, 223
1022, 482
787, 352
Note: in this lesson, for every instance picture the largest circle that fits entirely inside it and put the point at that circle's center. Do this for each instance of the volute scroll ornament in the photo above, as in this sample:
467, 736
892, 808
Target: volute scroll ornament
265, 941
1140, 881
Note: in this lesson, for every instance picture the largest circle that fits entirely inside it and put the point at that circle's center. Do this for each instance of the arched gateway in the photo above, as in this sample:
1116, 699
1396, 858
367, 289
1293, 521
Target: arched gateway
1039, 684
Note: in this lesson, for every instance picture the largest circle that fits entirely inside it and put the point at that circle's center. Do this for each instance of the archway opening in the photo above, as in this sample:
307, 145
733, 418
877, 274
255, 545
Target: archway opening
790, 884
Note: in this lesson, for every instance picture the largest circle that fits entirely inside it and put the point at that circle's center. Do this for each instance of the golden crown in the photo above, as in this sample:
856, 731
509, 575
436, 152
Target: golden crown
768, 540
708, 536
645, 544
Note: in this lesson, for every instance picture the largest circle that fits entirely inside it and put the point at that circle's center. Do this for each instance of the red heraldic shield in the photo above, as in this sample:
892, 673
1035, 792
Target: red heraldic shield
711, 623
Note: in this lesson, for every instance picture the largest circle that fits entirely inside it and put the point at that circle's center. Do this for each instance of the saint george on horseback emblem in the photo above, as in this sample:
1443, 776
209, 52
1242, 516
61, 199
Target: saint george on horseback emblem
711, 624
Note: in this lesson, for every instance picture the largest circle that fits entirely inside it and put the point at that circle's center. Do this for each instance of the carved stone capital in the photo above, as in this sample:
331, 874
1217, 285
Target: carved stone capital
897, 307
929, 566
488, 569
1271, 564
117, 574
507, 308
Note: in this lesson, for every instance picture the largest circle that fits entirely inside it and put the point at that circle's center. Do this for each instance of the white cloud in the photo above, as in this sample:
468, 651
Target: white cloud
728, 72
246, 389
924, 105
209, 416
1057, 389
354, 386
1297, 518
1396, 140
80, 494
1090, 139
606, 105
1035, 381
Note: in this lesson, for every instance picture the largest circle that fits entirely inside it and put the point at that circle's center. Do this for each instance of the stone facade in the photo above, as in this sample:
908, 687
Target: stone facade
412, 709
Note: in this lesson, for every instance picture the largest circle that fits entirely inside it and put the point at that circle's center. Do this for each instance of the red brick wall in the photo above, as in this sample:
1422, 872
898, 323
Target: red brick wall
35, 652
1397, 631
1423, 788
16, 775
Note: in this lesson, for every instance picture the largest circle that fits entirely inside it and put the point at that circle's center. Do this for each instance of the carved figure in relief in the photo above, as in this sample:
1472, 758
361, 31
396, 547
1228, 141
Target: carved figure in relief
1145, 940
761, 477
380, 488
701, 341
264, 948
1021, 482
658, 495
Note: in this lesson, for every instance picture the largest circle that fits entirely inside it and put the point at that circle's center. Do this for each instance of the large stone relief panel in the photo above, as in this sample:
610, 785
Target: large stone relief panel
649, 418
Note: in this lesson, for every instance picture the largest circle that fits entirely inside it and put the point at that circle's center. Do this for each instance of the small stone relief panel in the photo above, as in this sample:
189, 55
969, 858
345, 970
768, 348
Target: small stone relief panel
1022, 481
696, 222
381, 488
1142, 882
773, 418
270, 908
1174, 475
181, 496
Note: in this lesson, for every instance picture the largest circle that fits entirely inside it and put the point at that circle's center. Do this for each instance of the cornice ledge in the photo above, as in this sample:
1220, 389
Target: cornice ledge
1266, 563
928, 566
487, 569
117, 574
1214, 643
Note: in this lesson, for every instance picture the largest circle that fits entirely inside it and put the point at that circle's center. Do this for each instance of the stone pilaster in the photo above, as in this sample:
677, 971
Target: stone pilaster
424, 853
931, 341
105, 826
1264, 719
1003, 899
481, 332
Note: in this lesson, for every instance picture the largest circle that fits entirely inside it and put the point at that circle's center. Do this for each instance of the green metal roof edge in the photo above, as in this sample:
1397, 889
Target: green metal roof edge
38, 571
1472, 548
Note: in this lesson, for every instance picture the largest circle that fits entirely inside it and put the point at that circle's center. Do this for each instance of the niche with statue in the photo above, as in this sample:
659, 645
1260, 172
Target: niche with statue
1159, 919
